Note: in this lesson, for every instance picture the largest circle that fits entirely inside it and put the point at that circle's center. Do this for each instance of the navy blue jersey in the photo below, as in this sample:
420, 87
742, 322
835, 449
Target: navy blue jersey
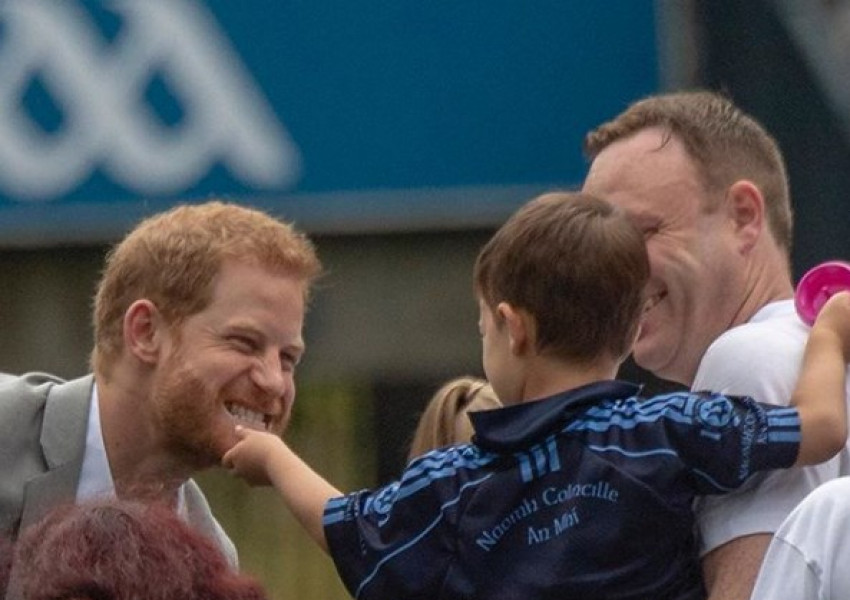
584, 495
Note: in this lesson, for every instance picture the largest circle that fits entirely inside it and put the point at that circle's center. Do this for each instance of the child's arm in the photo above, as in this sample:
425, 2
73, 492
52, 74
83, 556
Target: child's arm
820, 395
263, 459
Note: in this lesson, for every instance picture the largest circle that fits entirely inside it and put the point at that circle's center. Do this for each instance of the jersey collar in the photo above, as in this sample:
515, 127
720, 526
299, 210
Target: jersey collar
516, 427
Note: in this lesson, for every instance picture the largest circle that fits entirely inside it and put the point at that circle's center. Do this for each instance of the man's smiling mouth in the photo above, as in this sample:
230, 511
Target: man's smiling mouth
248, 417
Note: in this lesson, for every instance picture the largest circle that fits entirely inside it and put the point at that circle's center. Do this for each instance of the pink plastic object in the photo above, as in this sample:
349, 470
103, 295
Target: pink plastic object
818, 285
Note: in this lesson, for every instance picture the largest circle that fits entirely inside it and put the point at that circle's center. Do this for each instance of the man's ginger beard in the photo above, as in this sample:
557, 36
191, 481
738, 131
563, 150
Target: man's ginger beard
190, 420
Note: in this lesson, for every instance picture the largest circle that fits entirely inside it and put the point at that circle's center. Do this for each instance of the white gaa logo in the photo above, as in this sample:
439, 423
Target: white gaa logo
99, 86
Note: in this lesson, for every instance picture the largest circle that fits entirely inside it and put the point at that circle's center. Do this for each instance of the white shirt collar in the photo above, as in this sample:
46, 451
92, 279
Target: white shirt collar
780, 308
95, 475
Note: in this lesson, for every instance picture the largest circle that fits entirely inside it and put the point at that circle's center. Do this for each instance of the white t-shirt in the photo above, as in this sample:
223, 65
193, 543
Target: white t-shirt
808, 557
761, 359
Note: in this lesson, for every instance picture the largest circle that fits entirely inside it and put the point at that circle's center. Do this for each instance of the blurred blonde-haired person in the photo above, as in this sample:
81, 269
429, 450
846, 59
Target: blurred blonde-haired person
444, 421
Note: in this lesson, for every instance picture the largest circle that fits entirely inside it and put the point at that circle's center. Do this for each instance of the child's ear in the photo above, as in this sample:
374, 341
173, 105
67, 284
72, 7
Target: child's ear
143, 330
519, 326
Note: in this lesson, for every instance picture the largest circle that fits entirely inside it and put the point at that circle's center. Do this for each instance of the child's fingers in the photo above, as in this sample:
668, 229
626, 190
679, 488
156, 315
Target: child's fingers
227, 460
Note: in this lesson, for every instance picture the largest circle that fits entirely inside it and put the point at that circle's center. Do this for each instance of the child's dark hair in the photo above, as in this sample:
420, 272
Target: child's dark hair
577, 265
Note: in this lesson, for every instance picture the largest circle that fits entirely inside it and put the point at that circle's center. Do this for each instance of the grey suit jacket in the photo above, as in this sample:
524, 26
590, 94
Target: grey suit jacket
43, 423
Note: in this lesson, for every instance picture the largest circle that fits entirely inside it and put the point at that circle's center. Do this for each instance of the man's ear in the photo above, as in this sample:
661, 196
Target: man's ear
143, 331
519, 326
745, 208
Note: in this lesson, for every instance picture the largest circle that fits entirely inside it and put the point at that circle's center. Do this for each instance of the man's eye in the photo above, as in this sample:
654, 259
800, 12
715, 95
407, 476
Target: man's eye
289, 361
648, 232
243, 343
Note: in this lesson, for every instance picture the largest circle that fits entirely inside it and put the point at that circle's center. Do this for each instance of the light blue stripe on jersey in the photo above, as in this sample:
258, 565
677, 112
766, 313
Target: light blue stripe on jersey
436, 460
709, 479
625, 422
539, 460
784, 436
631, 413
660, 452
678, 401
419, 536
410, 487
554, 459
334, 510
787, 417
437, 464
633, 454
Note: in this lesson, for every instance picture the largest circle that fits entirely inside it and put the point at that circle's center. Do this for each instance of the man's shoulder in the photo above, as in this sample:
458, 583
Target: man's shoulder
27, 403
759, 358
772, 339
26, 393
34, 380
774, 323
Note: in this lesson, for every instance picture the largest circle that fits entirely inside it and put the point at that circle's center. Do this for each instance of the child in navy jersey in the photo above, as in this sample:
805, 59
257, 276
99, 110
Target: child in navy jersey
578, 487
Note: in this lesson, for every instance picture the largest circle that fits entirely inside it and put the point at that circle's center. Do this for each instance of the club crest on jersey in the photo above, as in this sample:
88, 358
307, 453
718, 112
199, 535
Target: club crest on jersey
715, 412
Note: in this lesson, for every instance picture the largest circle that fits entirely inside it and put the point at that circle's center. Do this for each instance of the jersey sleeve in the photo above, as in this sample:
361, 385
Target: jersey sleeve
694, 443
398, 541
729, 438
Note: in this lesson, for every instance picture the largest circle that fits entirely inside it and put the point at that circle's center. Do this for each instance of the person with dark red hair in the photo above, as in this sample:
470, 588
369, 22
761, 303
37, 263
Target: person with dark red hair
122, 550
5, 564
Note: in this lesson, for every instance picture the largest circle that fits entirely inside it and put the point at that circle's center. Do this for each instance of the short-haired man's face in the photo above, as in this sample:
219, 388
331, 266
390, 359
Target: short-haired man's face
695, 270
232, 363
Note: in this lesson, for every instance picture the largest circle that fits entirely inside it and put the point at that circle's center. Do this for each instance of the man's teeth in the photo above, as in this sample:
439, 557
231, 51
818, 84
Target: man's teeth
249, 417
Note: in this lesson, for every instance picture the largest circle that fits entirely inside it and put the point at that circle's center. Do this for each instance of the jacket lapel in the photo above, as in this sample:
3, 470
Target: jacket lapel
63, 438
199, 516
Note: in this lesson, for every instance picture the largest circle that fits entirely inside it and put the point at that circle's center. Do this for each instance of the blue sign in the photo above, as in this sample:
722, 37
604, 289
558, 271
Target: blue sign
341, 116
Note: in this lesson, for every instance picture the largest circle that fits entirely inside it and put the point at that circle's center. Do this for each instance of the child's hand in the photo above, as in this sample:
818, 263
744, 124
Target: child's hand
834, 317
251, 456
